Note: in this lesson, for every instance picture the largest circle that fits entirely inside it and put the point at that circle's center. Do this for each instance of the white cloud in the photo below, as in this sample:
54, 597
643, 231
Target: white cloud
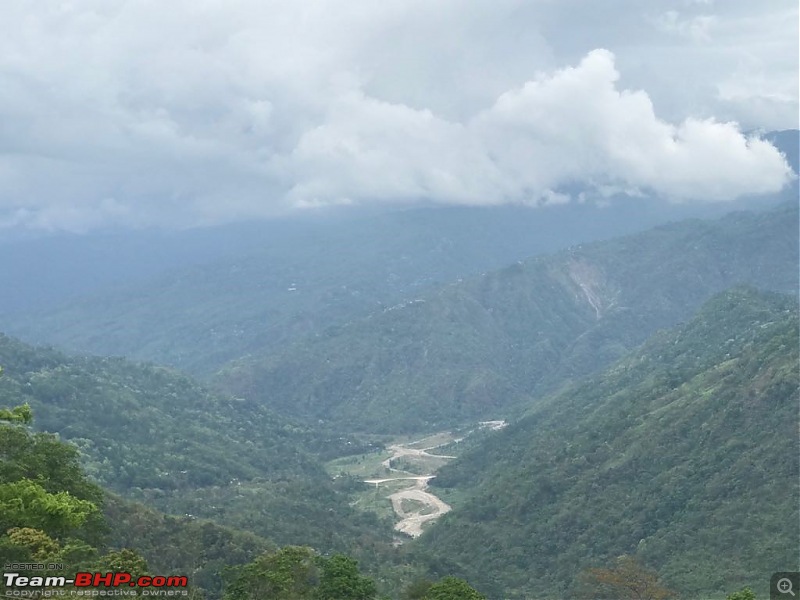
141, 113
367, 150
570, 126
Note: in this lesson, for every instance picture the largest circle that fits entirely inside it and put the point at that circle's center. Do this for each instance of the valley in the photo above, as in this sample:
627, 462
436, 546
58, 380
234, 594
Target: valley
490, 345
623, 398
456, 300
401, 480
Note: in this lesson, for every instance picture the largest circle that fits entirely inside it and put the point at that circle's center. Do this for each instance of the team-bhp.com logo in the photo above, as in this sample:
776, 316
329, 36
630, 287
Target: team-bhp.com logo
90, 584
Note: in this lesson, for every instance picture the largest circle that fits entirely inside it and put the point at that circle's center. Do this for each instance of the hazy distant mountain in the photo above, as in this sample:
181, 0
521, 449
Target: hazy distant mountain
200, 297
196, 299
488, 345
684, 454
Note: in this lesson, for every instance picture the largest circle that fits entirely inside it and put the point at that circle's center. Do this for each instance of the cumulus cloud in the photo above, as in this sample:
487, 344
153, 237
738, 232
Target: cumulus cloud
572, 126
135, 113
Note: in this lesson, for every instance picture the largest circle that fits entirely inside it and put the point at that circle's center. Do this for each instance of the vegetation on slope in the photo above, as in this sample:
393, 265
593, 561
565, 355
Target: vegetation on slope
684, 454
50, 513
292, 278
154, 435
487, 346
198, 548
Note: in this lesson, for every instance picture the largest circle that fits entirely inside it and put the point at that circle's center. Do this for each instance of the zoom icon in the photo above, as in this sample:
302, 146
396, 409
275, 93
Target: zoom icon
784, 585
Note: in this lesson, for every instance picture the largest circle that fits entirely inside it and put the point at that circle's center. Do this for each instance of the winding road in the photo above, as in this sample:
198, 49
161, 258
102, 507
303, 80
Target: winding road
431, 507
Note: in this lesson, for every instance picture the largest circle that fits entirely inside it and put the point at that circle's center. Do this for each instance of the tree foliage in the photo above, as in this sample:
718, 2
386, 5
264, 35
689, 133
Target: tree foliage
291, 573
299, 573
33, 544
743, 594
628, 580
25, 503
19, 414
340, 580
452, 588
124, 560
50, 511
667, 456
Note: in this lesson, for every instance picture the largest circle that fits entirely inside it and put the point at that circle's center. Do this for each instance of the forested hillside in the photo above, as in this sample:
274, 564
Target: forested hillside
487, 346
200, 548
683, 454
52, 515
157, 436
655, 458
258, 286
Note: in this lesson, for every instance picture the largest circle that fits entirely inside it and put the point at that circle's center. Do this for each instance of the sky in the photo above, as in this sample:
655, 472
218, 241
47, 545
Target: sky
143, 113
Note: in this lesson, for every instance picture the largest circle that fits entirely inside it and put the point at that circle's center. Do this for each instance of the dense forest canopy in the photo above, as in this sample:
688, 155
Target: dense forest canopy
682, 453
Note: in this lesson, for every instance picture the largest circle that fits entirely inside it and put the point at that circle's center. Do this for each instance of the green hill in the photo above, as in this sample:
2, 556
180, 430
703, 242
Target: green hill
154, 435
684, 454
52, 514
199, 548
486, 346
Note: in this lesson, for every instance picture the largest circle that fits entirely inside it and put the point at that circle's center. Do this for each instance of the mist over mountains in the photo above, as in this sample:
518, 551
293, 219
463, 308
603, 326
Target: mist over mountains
400, 300
323, 358
319, 341
127, 293
484, 347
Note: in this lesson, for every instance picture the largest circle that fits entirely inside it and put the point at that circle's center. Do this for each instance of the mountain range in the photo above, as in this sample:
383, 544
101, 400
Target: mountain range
200, 298
650, 382
487, 346
683, 454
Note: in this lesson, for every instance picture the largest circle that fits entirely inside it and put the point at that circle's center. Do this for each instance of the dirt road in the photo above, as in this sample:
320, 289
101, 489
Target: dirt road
425, 506
401, 450
411, 521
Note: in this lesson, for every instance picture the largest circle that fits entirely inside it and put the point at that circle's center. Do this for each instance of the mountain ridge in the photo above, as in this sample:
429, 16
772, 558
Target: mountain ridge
682, 454
222, 294
154, 435
486, 346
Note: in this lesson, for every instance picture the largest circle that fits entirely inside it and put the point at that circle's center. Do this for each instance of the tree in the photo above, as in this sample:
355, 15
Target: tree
125, 561
25, 503
297, 573
341, 580
19, 414
43, 484
291, 573
452, 588
628, 580
32, 545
